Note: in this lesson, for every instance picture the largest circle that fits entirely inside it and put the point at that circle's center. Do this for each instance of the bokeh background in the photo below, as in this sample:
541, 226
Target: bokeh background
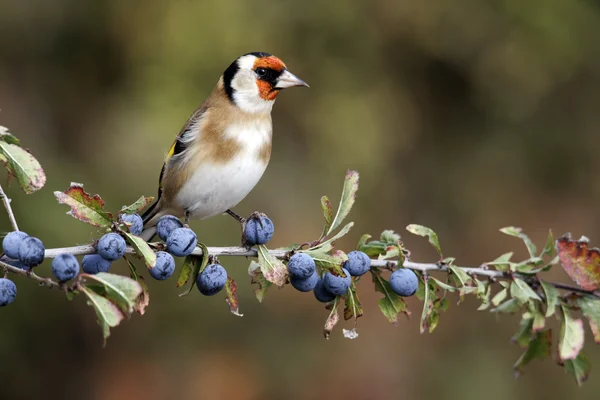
465, 116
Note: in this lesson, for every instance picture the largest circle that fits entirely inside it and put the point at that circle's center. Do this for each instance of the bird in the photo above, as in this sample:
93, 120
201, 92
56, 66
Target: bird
223, 149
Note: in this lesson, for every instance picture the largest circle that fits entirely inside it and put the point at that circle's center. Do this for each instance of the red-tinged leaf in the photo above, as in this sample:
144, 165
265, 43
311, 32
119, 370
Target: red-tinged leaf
84, 207
590, 307
22, 165
272, 268
232, 298
332, 319
257, 277
580, 262
144, 298
571, 337
327, 213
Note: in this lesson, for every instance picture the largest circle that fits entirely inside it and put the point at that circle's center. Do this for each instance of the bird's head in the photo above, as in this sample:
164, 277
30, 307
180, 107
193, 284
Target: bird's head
253, 81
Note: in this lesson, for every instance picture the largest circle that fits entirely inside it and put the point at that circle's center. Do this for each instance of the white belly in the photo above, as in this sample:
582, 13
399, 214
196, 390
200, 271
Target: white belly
214, 188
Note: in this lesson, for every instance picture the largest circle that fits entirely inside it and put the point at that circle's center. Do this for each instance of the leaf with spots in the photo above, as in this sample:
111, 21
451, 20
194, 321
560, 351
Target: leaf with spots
273, 269
580, 262
332, 319
571, 337
232, 298
257, 277
22, 165
86, 208
590, 307
138, 206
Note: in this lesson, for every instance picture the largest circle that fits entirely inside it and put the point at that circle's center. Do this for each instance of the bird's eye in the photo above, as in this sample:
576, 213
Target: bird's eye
262, 72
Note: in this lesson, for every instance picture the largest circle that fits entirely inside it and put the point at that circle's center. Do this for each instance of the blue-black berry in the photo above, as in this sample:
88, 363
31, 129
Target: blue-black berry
301, 266
65, 267
136, 225
321, 293
11, 243
337, 284
167, 224
94, 263
358, 263
111, 246
212, 280
305, 285
31, 251
8, 292
259, 230
181, 242
404, 282
165, 265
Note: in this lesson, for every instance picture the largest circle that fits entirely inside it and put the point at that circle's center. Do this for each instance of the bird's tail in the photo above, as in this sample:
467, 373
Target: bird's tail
150, 217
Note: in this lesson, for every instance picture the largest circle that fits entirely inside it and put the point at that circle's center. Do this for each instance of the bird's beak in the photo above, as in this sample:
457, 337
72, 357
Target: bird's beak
287, 79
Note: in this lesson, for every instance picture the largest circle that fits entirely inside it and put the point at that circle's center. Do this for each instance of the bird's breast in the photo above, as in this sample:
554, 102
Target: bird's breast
218, 183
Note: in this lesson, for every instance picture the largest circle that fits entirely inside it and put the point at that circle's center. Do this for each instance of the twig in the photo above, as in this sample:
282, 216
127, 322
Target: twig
243, 252
9, 210
29, 274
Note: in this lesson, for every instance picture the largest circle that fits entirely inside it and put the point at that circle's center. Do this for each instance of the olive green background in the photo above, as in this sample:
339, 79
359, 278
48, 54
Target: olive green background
465, 116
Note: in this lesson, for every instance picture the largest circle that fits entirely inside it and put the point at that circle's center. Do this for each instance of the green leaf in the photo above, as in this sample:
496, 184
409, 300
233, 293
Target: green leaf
499, 297
332, 319
142, 249
424, 231
392, 303
549, 247
581, 263
538, 347
84, 207
522, 291
121, 290
328, 244
232, 298
327, 213
462, 276
429, 315
444, 286
373, 248
517, 232
329, 262
390, 237
7, 137
579, 368
198, 264
502, 263
272, 268
523, 336
484, 291
347, 200
144, 299
257, 277
551, 294
186, 270
352, 306
590, 307
529, 266
138, 206
508, 307
109, 315
539, 320
23, 166
571, 337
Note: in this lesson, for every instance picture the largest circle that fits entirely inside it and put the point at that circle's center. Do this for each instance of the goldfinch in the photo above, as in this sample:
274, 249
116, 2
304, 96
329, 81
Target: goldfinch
223, 149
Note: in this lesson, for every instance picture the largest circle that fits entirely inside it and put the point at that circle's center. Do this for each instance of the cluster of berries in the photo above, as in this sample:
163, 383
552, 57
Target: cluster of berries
21, 251
304, 276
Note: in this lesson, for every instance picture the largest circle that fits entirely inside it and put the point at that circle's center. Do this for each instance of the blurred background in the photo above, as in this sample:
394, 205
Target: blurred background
464, 116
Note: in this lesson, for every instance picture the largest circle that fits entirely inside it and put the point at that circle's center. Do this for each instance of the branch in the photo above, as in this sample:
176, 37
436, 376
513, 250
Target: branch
9, 210
234, 251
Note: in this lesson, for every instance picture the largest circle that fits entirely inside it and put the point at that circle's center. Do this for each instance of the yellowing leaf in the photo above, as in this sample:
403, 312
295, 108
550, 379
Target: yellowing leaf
84, 207
23, 166
580, 262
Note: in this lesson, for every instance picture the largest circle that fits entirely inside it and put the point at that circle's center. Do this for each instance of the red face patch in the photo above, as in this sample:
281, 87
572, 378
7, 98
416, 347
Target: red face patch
270, 62
266, 91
